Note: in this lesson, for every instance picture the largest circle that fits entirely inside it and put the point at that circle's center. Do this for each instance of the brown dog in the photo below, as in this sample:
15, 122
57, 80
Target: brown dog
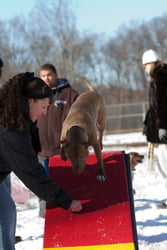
86, 116
135, 158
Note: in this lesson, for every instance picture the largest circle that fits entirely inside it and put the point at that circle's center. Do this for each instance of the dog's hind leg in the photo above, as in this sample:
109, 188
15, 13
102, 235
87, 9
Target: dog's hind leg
101, 124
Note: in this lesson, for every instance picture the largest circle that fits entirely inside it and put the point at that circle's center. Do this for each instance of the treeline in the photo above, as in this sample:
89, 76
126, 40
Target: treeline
113, 65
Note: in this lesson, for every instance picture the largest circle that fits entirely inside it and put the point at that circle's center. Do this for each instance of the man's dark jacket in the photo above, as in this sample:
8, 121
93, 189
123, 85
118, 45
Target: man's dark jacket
50, 125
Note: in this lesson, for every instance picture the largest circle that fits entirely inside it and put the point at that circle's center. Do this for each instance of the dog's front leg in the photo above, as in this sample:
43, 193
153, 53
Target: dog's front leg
99, 138
101, 171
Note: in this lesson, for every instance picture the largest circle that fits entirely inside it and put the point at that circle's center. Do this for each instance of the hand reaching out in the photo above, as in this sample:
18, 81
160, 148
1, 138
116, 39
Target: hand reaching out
75, 206
162, 135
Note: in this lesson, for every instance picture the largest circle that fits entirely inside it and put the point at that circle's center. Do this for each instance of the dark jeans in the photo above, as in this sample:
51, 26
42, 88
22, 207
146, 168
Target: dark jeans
7, 219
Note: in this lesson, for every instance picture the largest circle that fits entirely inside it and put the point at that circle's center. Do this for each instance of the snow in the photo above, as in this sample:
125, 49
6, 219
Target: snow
150, 186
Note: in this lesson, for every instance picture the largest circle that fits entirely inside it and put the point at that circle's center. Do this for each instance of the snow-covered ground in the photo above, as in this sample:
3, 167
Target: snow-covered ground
151, 221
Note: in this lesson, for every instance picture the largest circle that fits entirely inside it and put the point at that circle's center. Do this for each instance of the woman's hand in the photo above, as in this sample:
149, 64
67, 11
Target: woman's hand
75, 206
162, 135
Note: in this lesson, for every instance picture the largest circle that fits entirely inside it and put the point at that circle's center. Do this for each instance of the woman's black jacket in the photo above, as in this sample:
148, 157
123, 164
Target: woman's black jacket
156, 117
18, 155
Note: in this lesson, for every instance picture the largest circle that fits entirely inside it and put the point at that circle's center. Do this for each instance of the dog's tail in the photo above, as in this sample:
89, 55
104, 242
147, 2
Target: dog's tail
90, 87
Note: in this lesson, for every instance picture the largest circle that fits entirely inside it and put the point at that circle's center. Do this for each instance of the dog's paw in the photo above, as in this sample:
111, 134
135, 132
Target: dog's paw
101, 177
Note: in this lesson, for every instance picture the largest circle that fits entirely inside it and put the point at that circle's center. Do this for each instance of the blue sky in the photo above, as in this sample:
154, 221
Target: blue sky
96, 15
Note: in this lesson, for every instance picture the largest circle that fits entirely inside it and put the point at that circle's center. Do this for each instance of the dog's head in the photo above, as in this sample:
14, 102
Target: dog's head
135, 158
75, 148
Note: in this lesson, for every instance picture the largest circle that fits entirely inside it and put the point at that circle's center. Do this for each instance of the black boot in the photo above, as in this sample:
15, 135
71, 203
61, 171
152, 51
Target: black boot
18, 239
162, 205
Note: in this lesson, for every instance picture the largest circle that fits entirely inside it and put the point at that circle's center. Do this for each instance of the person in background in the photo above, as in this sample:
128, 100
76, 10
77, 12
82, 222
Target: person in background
7, 179
50, 125
155, 124
1, 66
22, 100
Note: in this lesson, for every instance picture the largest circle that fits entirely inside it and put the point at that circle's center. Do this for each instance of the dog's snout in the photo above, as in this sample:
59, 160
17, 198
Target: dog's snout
141, 158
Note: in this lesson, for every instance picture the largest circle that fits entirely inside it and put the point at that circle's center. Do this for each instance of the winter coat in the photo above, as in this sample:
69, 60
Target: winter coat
18, 155
50, 125
156, 116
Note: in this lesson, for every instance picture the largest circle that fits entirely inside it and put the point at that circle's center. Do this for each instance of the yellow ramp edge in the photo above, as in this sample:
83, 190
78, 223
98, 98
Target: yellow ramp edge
123, 246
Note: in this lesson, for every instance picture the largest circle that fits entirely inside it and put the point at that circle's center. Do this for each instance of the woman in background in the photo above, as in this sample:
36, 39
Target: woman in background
155, 125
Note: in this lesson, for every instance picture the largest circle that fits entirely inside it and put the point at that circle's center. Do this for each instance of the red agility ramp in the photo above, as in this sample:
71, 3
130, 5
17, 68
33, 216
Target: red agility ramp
107, 220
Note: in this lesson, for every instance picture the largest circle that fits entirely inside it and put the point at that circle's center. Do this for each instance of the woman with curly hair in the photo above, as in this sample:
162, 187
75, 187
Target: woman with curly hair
155, 124
22, 100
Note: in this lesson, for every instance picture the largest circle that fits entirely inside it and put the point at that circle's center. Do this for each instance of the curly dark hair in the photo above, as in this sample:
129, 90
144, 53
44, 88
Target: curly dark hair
14, 96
